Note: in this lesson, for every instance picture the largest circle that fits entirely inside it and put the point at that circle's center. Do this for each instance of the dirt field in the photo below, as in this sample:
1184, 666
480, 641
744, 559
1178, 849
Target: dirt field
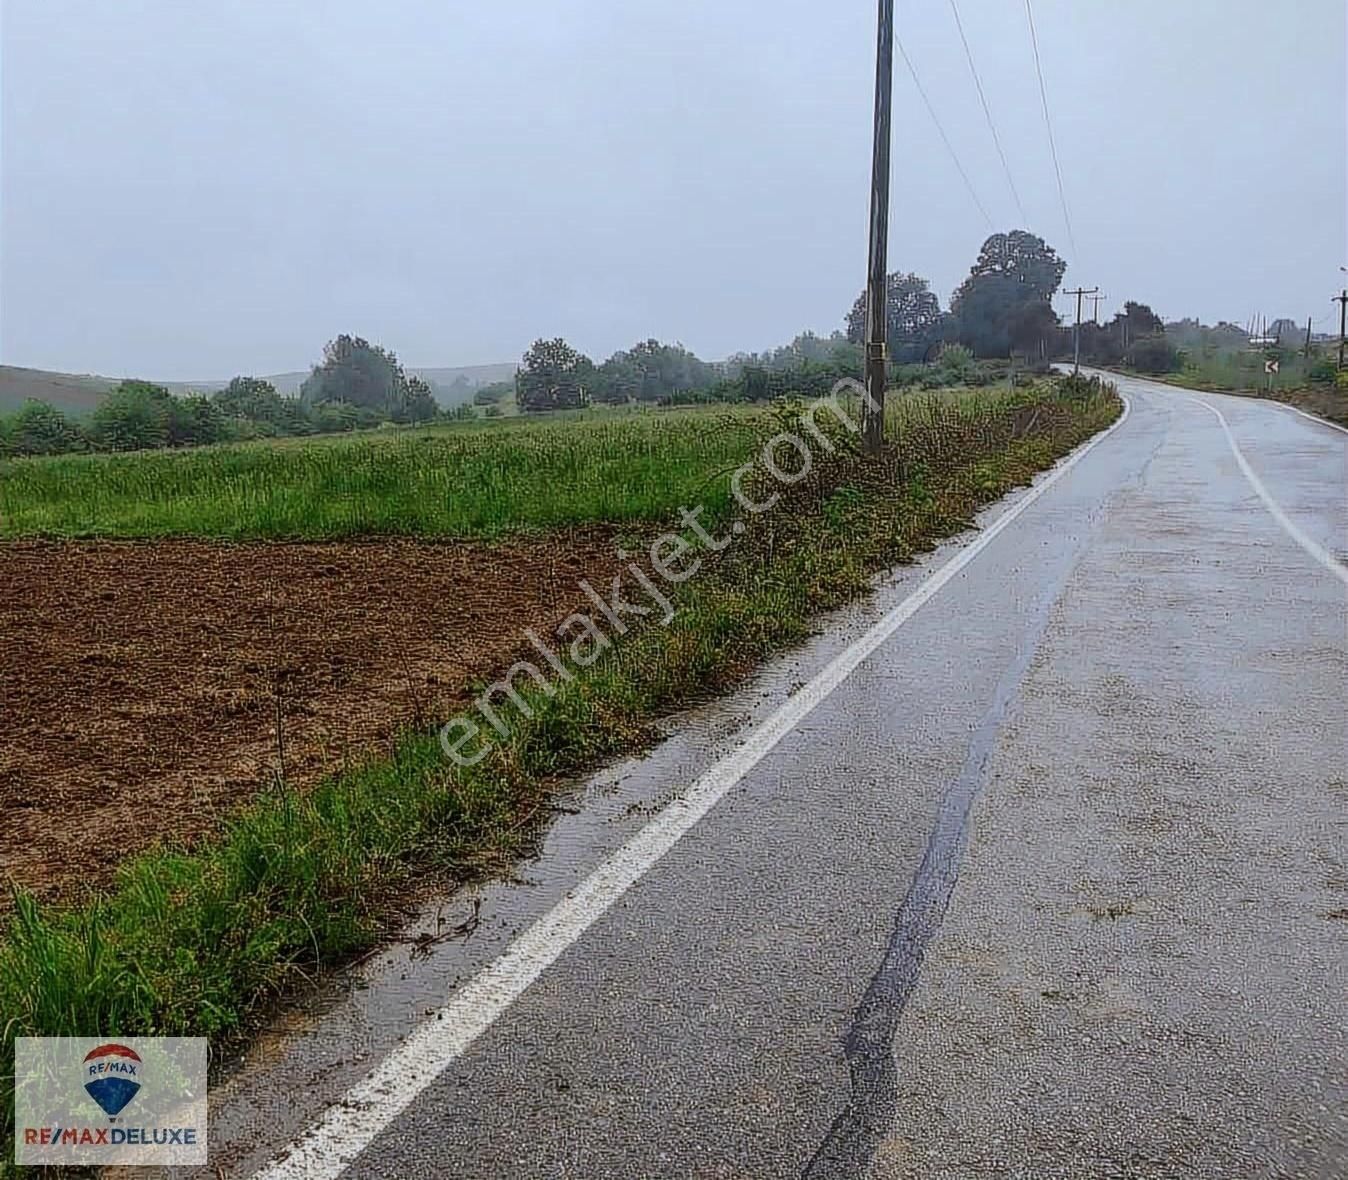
139, 683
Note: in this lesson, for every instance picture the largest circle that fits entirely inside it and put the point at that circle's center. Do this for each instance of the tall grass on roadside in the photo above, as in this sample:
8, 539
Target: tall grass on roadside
195, 941
471, 480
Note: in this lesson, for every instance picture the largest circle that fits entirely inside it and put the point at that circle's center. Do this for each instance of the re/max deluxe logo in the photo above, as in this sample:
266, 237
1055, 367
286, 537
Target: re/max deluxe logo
110, 1136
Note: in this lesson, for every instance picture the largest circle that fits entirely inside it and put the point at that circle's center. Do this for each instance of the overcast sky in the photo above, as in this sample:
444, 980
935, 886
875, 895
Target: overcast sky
192, 190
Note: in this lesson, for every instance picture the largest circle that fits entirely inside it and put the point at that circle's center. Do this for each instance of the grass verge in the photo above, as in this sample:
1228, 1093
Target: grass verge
197, 941
1324, 401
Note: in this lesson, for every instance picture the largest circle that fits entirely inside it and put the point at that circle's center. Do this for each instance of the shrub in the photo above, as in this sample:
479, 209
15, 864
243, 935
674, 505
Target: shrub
196, 421
957, 363
1154, 354
40, 429
1078, 388
135, 416
1322, 371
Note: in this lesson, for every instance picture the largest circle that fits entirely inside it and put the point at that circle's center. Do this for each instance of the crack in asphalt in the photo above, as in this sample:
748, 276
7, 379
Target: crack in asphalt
857, 1131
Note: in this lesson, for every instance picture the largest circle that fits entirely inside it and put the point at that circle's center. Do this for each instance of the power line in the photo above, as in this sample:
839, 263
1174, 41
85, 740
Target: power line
1048, 122
969, 184
987, 113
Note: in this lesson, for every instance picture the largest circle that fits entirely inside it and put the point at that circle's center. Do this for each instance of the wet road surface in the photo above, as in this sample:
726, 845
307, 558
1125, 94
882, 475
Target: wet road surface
1052, 884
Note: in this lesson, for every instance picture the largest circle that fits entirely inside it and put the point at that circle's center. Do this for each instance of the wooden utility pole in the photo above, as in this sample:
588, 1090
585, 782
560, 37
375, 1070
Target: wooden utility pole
873, 421
1306, 352
1095, 309
1080, 293
1342, 301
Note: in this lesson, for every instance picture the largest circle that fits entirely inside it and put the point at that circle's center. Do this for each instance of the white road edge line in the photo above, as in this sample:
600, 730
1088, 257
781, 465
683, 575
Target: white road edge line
1317, 419
336, 1138
1316, 550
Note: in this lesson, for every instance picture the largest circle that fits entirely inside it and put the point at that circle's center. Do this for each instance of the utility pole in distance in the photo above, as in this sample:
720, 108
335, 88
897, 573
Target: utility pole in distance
1095, 308
873, 421
1342, 301
1080, 293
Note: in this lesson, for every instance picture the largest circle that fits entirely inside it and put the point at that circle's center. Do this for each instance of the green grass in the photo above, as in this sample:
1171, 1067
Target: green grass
1243, 371
474, 479
1242, 374
198, 941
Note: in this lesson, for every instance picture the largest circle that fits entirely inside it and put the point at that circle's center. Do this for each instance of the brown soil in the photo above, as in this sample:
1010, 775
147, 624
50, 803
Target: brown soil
140, 683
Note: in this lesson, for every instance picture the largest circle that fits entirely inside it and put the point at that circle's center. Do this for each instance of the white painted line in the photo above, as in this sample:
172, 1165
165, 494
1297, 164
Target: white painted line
1315, 418
1317, 551
331, 1143
1255, 398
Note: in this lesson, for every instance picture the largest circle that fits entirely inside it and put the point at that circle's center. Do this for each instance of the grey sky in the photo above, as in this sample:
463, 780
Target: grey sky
195, 190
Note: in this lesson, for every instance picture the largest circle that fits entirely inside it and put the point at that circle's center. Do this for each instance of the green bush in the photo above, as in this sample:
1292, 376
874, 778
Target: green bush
196, 421
1322, 371
136, 416
1154, 354
957, 364
1078, 388
40, 429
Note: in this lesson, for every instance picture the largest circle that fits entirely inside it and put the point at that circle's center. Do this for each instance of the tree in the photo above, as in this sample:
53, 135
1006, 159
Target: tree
251, 398
356, 372
1140, 320
666, 369
1012, 271
1033, 325
195, 421
418, 402
618, 380
552, 377
369, 377
135, 416
1154, 354
912, 317
1101, 344
40, 429
1023, 257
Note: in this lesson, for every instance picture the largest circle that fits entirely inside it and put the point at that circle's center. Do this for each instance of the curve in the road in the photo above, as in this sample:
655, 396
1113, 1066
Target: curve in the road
1317, 551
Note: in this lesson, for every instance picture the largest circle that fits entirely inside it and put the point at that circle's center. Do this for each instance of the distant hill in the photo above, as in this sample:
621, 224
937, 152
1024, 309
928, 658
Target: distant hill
80, 393
454, 386
70, 392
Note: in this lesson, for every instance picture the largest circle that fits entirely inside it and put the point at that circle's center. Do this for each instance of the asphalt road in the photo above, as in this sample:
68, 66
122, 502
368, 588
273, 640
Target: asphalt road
1052, 884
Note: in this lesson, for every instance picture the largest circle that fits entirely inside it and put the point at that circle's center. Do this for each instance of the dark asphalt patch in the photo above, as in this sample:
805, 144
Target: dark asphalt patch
856, 1133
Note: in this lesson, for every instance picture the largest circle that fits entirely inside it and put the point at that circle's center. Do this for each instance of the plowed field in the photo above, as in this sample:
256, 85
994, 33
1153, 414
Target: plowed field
141, 684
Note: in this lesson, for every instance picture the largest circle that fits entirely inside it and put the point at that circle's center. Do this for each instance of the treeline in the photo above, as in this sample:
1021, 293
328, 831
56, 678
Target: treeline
555, 376
1135, 338
356, 386
1003, 309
